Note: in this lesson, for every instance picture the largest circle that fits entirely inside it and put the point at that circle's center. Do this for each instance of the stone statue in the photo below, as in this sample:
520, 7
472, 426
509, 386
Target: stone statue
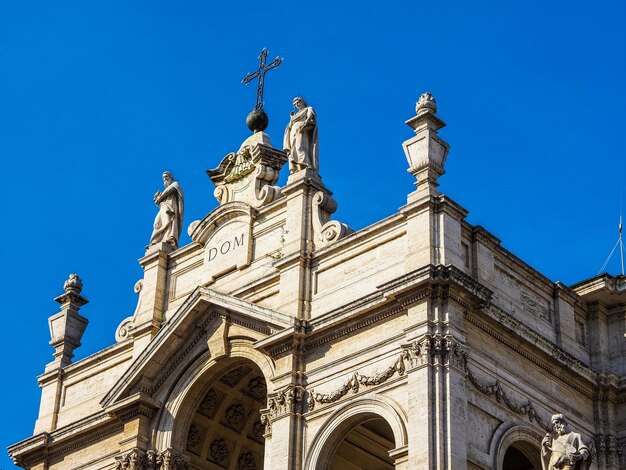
563, 449
300, 140
169, 221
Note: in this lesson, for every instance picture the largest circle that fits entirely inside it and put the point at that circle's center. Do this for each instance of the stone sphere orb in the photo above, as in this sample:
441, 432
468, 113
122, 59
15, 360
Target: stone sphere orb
257, 120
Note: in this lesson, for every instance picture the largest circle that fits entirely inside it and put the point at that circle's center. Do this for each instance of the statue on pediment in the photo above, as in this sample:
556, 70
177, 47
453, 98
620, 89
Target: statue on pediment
300, 142
169, 221
563, 449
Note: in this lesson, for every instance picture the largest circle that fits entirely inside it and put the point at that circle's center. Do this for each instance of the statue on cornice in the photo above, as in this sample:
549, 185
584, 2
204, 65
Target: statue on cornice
169, 221
563, 449
300, 140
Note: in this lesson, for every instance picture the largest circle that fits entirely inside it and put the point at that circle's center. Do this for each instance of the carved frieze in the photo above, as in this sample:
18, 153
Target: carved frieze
288, 400
171, 460
436, 350
136, 459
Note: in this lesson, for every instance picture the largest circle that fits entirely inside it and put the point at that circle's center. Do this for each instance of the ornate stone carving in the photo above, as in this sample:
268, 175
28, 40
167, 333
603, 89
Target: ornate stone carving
266, 421
288, 400
257, 388
609, 451
501, 396
246, 461
209, 403
436, 350
169, 221
327, 231
171, 460
249, 174
258, 429
131, 460
236, 417
425, 102
150, 460
193, 438
234, 376
356, 380
562, 449
124, 330
426, 152
241, 166
136, 459
73, 284
219, 452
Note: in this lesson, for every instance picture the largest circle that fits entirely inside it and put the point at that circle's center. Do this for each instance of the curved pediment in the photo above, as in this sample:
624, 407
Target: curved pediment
203, 230
206, 321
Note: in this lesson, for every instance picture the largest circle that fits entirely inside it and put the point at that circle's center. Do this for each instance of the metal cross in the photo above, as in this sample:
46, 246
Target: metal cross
260, 73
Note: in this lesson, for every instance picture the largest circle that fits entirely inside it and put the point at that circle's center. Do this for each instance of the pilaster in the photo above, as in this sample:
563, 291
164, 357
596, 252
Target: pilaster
295, 266
149, 316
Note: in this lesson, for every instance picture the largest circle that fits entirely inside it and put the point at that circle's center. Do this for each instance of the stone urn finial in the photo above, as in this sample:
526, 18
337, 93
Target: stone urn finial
73, 285
425, 103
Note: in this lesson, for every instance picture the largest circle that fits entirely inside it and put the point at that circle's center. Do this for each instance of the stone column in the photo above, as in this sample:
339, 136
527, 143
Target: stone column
283, 422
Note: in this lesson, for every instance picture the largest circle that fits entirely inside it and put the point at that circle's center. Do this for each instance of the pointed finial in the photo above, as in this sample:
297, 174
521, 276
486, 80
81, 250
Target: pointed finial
73, 285
426, 103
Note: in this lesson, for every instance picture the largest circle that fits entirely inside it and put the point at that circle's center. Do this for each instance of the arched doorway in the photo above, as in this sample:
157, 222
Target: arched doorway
225, 431
520, 456
365, 446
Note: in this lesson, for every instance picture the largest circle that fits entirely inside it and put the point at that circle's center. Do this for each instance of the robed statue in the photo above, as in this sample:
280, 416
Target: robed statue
563, 449
300, 140
169, 221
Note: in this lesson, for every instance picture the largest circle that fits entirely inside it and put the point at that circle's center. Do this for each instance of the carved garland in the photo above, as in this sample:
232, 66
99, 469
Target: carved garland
501, 396
356, 380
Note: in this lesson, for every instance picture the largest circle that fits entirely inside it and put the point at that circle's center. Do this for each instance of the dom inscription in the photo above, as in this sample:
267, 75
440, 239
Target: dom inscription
226, 247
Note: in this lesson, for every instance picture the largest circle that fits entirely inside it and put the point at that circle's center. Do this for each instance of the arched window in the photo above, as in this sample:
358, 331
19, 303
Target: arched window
517, 447
366, 445
517, 459
368, 434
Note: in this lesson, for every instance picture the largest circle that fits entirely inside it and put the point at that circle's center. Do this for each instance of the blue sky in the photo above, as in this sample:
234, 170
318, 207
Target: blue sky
98, 98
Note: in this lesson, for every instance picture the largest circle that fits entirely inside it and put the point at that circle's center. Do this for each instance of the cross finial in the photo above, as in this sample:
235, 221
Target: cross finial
260, 73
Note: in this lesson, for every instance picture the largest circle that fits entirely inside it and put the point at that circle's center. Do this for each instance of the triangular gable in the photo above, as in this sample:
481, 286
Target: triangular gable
182, 330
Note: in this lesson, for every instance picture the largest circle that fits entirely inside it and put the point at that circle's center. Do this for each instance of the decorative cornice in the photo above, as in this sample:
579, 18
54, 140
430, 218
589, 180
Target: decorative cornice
520, 329
351, 327
49, 445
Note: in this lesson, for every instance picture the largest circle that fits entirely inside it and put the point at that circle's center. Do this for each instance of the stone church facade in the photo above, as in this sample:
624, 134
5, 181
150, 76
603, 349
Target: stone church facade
281, 339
